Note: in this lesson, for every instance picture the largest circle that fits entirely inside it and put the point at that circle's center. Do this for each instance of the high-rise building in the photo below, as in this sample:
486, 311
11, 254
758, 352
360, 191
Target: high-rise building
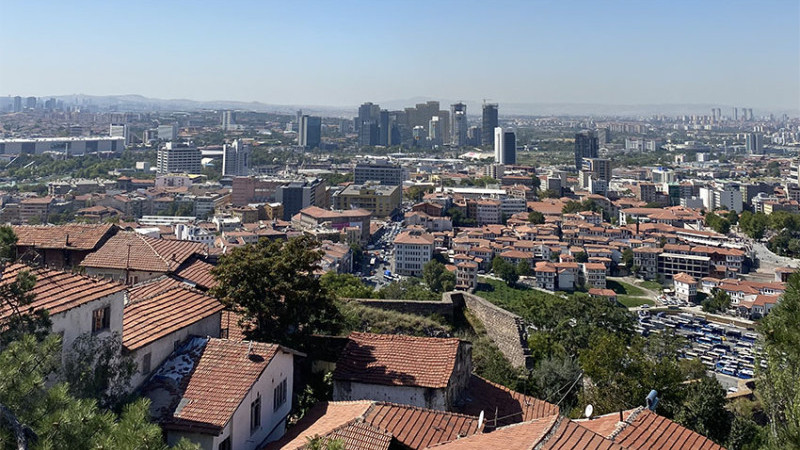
228, 120
235, 159
435, 131
17, 104
309, 134
755, 143
384, 131
489, 123
735, 113
586, 146
368, 112
30, 103
458, 124
368, 134
175, 158
298, 116
474, 136
167, 132
119, 130
297, 195
381, 171
505, 146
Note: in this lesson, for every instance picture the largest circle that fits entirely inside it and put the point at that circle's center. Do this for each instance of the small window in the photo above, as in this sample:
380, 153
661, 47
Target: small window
255, 414
146, 363
279, 397
101, 319
225, 445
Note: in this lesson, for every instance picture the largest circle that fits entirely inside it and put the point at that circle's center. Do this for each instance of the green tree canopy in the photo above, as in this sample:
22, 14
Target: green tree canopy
273, 285
505, 270
437, 277
536, 217
345, 285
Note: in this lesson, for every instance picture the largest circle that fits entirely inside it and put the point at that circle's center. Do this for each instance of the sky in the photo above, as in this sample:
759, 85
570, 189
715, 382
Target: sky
342, 53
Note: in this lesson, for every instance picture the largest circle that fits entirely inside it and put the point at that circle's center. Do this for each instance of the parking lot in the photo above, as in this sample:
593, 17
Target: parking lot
724, 349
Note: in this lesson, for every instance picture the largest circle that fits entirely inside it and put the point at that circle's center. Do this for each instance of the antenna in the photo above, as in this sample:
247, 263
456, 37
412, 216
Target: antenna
588, 411
480, 420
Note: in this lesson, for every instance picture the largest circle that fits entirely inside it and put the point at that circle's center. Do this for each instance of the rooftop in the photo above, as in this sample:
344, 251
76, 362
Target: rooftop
66, 237
133, 251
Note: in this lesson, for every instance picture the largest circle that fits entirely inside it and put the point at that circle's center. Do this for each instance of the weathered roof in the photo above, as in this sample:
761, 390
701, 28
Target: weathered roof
521, 436
146, 321
202, 385
570, 435
321, 419
134, 251
151, 288
510, 406
198, 272
414, 238
397, 360
58, 291
684, 277
67, 237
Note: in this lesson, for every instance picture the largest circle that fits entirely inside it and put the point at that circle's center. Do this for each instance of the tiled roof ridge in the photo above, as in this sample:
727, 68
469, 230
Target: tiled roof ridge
359, 420
376, 404
145, 239
51, 272
551, 432
621, 426
169, 289
394, 336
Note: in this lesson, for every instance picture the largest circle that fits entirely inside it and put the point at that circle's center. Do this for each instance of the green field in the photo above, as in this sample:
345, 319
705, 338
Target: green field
622, 288
632, 302
652, 285
519, 300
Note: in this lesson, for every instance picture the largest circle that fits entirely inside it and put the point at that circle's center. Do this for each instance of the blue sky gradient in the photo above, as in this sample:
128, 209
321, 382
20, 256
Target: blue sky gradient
340, 53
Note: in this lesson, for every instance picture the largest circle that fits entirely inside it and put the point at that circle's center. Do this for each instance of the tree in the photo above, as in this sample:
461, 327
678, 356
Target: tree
345, 285
581, 257
407, 289
273, 285
536, 182
8, 243
536, 217
627, 258
719, 301
551, 379
16, 297
505, 270
777, 380
50, 417
96, 368
437, 277
754, 225
523, 269
717, 223
704, 410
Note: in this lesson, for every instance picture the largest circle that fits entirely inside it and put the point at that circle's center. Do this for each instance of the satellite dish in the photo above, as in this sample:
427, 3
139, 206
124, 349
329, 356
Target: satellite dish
588, 411
480, 420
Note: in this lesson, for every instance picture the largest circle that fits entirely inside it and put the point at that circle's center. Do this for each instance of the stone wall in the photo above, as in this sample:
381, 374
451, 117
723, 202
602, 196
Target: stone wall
506, 329
443, 307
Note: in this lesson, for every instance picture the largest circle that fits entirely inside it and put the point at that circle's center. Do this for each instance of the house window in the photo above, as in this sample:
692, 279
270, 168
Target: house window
101, 319
225, 445
255, 414
279, 397
146, 363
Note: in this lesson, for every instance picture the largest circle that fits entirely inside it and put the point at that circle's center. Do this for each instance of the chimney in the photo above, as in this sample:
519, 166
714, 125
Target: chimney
67, 242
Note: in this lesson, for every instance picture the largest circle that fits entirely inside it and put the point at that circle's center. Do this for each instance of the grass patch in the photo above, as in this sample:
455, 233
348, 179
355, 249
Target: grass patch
631, 302
520, 300
622, 288
358, 317
653, 285
487, 359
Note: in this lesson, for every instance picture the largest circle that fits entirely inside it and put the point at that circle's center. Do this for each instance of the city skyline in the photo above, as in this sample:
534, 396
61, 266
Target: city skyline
342, 54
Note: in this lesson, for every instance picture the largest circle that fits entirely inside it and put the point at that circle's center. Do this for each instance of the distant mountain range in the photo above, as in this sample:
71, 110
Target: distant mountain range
140, 103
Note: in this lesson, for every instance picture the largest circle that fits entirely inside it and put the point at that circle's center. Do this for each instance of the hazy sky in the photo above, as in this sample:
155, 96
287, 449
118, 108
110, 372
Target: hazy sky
345, 52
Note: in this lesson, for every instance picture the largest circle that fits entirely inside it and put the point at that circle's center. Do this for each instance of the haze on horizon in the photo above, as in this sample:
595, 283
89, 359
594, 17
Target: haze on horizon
744, 53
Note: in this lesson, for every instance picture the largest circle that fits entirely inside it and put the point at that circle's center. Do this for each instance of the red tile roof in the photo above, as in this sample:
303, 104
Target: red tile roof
58, 291
359, 435
521, 436
68, 237
146, 321
146, 254
511, 406
152, 288
321, 419
223, 372
199, 273
570, 435
397, 360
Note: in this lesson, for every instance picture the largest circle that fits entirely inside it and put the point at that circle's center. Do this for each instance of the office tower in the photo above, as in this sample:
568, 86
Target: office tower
749, 113
297, 195
384, 131
505, 146
586, 146
435, 131
228, 120
368, 134
418, 134
167, 132
298, 116
735, 113
368, 112
175, 158
755, 143
381, 171
30, 103
119, 130
235, 159
489, 123
458, 124
17, 104
474, 136
310, 133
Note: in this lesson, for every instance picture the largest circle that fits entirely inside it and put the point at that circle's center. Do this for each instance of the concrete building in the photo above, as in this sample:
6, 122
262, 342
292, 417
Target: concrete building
235, 159
379, 170
310, 133
120, 130
466, 276
315, 218
167, 132
505, 146
586, 146
595, 169
64, 145
685, 287
177, 158
300, 194
459, 125
754, 143
413, 249
489, 123
380, 200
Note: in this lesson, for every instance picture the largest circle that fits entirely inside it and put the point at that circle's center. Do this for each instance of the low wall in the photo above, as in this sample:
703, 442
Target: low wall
505, 329
443, 307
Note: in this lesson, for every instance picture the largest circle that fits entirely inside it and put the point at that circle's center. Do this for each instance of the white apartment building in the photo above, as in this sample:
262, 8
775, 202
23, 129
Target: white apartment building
412, 250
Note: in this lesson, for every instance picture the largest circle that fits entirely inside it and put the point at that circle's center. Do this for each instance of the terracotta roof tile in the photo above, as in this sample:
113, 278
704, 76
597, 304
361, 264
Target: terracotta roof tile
397, 360
152, 288
58, 291
146, 254
418, 427
569, 435
321, 419
148, 320
80, 237
511, 406
522, 436
645, 429
221, 374
197, 272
